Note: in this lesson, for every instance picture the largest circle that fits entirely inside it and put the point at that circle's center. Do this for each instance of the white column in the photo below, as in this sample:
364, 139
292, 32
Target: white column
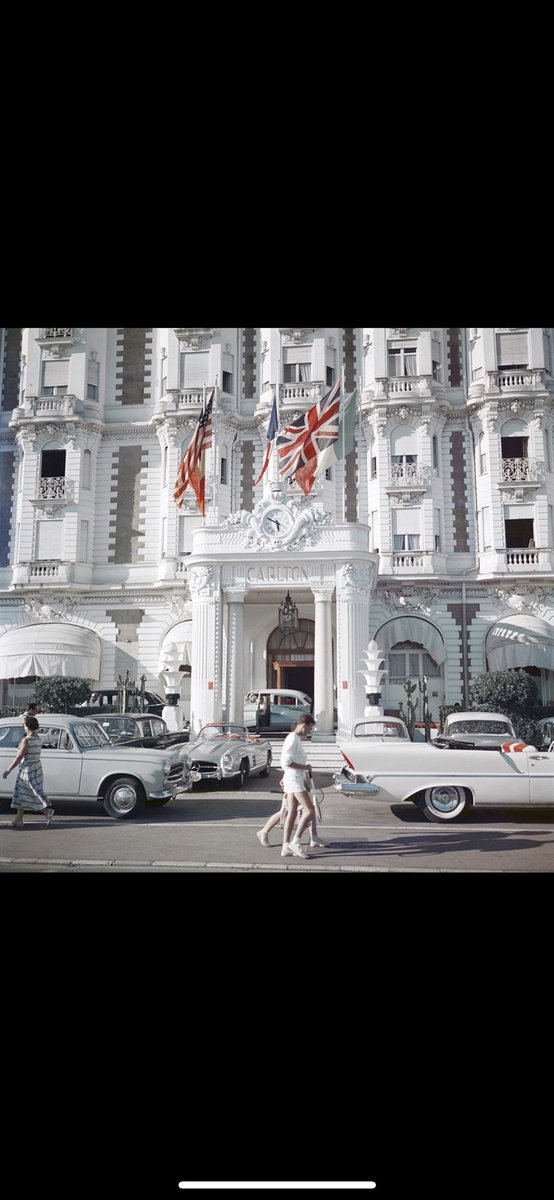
323, 662
235, 628
354, 582
205, 699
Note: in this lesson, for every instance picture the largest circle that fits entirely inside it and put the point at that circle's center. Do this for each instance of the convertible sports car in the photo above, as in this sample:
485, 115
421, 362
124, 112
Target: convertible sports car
227, 751
446, 778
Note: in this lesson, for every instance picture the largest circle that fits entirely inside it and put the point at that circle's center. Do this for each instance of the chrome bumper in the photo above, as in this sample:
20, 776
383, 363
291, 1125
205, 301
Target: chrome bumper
351, 785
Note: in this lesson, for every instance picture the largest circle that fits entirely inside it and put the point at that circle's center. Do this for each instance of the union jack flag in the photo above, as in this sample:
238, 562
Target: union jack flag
308, 436
192, 465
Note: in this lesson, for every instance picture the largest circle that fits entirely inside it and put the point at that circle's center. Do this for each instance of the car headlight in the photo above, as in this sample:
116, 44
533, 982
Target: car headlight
227, 761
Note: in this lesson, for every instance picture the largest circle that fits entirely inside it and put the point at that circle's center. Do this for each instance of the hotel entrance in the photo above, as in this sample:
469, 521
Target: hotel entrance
290, 658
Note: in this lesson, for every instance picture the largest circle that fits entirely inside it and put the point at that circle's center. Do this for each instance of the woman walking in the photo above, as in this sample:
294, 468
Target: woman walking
29, 794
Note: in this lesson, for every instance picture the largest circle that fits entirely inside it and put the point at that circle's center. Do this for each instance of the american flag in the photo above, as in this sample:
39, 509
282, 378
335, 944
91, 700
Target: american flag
308, 436
192, 465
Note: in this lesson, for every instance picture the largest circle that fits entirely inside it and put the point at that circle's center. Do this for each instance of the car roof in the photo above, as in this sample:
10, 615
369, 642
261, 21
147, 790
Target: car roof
477, 716
282, 692
46, 718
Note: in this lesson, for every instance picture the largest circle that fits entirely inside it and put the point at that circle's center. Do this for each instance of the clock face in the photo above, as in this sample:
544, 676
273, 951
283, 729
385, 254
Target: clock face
276, 522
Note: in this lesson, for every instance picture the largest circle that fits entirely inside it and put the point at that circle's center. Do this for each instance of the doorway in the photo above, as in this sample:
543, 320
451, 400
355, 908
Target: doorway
290, 658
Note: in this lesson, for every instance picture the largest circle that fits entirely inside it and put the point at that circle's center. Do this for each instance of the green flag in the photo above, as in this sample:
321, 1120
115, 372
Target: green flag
347, 426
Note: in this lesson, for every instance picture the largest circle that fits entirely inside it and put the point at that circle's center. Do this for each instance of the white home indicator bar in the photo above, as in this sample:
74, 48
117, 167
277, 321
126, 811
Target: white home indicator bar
336, 1186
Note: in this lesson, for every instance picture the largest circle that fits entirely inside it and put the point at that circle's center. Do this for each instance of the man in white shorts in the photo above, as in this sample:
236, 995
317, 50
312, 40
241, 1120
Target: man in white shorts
295, 766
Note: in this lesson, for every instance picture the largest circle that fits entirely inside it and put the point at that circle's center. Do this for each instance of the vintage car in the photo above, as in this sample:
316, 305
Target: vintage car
280, 707
480, 728
228, 751
444, 778
80, 763
140, 729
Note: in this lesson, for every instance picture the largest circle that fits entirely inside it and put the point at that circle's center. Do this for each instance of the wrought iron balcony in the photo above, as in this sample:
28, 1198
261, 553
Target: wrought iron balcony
526, 473
57, 341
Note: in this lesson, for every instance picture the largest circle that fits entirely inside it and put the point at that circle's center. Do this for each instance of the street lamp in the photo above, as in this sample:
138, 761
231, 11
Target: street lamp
288, 615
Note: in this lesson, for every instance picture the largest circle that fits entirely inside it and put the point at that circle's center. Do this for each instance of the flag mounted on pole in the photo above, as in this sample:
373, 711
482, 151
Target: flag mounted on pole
271, 432
335, 449
192, 465
302, 440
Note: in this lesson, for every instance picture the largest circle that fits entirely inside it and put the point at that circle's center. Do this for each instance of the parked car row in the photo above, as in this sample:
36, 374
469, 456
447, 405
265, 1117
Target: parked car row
80, 763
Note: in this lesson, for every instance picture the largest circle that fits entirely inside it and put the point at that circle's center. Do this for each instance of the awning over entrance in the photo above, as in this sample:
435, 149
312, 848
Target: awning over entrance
176, 647
522, 641
412, 629
50, 648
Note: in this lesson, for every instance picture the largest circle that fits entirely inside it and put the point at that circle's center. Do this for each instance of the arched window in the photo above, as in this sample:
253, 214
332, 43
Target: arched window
482, 455
514, 441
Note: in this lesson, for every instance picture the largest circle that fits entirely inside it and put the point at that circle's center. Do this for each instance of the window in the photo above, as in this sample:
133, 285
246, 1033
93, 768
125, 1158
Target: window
374, 467
55, 377
165, 465
227, 382
223, 467
482, 455
512, 350
402, 361
437, 530
297, 372
405, 541
164, 536
435, 452
87, 469
437, 371
329, 474
52, 464
92, 379
547, 449
410, 661
329, 376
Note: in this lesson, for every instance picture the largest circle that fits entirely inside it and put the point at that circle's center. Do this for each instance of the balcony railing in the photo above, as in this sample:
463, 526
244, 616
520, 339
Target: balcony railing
55, 488
505, 381
522, 470
408, 473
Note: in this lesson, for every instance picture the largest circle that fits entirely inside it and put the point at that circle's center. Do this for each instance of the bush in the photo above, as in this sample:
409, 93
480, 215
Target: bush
504, 691
61, 692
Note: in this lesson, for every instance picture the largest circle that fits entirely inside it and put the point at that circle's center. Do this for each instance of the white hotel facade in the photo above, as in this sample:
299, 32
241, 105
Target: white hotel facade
435, 535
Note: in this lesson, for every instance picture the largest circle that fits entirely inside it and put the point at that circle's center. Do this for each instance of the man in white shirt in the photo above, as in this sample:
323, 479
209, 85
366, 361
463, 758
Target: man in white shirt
295, 766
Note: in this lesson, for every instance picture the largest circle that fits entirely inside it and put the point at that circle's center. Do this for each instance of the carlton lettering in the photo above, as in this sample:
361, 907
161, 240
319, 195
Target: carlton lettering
277, 574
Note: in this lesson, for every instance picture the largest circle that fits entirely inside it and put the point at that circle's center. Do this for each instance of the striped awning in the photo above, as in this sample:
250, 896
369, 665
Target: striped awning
520, 641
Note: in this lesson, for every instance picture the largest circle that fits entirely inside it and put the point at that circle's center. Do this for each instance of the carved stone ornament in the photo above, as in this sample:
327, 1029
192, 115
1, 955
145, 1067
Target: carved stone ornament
179, 605
413, 598
277, 524
202, 580
195, 339
50, 607
296, 335
355, 577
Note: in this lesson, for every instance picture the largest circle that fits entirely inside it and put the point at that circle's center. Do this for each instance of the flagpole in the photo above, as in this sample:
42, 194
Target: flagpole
214, 427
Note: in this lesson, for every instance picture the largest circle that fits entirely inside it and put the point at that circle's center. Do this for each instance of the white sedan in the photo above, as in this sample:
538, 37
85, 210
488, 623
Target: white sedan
445, 780
80, 763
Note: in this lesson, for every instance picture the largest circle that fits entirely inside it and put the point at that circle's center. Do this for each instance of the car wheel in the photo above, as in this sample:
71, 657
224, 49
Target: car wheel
265, 772
243, 774
124, 798
444, 803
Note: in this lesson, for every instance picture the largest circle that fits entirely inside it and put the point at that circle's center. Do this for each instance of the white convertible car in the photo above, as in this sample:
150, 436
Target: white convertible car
445, 779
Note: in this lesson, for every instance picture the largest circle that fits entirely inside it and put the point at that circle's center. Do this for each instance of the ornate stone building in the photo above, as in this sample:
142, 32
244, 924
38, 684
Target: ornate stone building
435, 535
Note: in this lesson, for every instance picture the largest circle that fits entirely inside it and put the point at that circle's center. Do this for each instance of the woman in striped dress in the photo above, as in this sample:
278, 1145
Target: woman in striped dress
29, 794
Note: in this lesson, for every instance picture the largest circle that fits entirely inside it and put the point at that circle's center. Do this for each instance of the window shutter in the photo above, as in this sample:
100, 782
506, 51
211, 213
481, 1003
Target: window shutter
55, 373
512, 349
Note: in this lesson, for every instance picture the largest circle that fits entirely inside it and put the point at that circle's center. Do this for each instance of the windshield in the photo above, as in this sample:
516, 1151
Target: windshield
89, 734
481, 727
222, 729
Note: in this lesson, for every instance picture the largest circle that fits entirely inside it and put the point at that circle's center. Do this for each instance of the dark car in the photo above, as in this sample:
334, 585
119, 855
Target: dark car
140, 729
108, 697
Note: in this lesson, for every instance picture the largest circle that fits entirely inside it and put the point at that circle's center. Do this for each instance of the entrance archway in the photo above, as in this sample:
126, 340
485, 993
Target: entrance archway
290, 658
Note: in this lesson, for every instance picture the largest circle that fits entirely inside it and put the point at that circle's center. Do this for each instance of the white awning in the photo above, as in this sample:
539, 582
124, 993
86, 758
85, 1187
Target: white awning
412, 629
50, 648
176, 648
522, 641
